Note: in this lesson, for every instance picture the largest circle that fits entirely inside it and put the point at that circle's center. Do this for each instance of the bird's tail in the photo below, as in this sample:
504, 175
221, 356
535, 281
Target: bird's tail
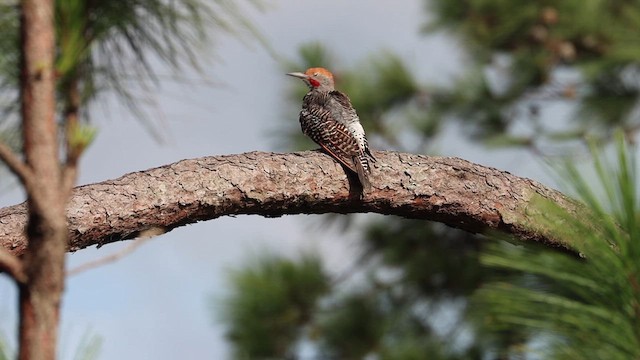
370, 155
363, 170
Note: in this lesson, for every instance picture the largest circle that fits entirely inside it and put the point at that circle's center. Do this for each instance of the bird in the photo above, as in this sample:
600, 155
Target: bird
329, 119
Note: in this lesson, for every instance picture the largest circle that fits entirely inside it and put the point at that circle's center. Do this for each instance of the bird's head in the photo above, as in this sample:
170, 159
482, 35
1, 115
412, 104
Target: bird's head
316, 78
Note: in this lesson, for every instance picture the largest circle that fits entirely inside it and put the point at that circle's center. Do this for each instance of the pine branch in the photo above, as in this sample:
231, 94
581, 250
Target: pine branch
449, 190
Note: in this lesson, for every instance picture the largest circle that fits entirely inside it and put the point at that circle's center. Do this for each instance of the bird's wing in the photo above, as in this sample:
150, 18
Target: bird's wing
332, 136
345, 102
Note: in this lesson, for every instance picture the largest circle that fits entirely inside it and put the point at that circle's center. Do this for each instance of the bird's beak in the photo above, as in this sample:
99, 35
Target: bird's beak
299, 75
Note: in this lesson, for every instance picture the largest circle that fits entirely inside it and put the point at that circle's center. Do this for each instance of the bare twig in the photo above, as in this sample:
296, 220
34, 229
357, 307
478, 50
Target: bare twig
69, 176
13, 266
111, 258
17, 166
73, 149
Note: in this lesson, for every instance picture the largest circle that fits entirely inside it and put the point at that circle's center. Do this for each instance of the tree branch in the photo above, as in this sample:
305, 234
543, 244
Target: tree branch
110, 258
17, 166
449, 190
13, 266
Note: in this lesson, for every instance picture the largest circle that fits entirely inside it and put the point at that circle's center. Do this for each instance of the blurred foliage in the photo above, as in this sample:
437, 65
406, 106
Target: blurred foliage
522, 59
116, 46
437, 277
276, 305
4, 349
543, 42
586, 308
270, 302
356, 314
89, 347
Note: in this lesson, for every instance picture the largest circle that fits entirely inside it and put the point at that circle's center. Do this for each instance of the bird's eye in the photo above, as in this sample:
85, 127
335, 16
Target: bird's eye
316, 74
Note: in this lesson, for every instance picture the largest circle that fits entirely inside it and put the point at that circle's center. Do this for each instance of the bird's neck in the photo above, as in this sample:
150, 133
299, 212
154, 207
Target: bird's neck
321, 90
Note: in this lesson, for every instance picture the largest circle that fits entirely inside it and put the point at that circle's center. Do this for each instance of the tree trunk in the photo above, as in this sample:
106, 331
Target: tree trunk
46, 224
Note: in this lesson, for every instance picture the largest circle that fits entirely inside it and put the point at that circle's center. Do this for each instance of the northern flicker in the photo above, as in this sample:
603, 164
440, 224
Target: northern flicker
328, 118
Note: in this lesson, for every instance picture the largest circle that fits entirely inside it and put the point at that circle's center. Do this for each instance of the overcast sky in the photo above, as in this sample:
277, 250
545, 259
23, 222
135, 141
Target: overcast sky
155, 303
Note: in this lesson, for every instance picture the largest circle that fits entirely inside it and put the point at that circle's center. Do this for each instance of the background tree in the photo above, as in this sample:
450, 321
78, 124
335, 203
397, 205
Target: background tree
522, 61
102, 46
56, 57
575, 308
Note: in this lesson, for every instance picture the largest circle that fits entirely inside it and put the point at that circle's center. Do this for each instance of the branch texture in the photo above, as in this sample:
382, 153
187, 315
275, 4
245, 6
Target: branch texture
448, 190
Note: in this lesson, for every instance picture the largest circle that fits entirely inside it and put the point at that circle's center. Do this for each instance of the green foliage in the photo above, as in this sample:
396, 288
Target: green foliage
387, 84
4, 349
385, 316
567, 31
541, 40
80, 136
9, 59
417, 254
589, 306
89, 348
386, 321
357, 313
270, 303
415, 348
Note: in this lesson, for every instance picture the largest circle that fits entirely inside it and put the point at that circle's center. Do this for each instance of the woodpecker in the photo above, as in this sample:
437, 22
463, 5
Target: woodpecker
329, 119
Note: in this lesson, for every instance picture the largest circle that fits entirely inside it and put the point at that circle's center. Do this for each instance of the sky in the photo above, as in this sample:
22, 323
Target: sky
159, 301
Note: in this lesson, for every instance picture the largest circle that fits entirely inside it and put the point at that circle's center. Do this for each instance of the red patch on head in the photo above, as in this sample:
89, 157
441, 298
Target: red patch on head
314, 82
312, 72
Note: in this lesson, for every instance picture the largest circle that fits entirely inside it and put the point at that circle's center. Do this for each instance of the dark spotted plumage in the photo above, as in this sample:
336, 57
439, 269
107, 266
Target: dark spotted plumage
322, 119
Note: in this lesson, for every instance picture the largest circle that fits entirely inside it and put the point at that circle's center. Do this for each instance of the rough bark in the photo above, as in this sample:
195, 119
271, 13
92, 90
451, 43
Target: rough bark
46, 223
449, 190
